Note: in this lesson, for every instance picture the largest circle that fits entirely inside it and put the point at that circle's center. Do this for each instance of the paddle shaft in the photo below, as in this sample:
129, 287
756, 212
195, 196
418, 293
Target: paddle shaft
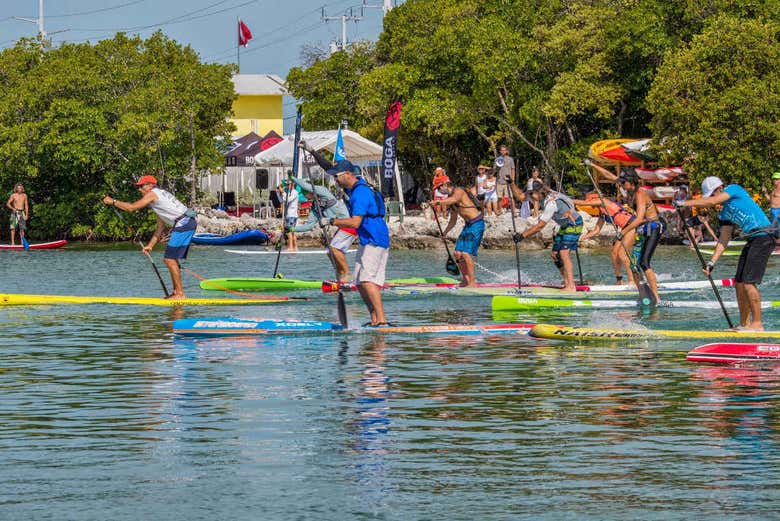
704, 265
514, 230
444, 240
146, 253
643, 284
579, 266
287, 191
341, 305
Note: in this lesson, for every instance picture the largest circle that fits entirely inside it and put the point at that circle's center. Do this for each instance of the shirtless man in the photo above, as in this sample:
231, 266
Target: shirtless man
774, 197
20, 210
468, 207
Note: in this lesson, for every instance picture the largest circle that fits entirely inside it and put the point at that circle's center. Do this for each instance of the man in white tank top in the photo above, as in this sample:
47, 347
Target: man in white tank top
170, 212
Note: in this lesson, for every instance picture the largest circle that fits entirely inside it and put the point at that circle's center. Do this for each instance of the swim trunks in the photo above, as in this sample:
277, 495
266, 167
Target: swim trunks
471, 236
181, 236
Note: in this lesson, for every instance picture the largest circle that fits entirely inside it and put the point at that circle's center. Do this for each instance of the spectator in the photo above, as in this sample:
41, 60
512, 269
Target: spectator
491, 196
506, 166
290, 200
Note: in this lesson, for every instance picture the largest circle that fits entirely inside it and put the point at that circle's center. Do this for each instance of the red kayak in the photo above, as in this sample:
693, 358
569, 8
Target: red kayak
722, 353
39, 246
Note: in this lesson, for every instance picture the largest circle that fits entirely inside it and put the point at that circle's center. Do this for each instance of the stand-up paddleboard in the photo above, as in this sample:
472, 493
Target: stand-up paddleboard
730, 252
274, 284
284, 252
243, 327
729, 353
39, 246
591, 334
13, 299
711, 244
512, 303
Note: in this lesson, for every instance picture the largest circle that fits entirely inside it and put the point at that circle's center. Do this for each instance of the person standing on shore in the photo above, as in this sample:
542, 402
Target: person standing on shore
170, 212
467, 206
739, 209
506, 169
774, 198
290, 212
20, 211
367, 216
560, 208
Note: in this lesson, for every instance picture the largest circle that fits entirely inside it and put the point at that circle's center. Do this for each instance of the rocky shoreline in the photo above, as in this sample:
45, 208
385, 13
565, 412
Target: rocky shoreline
419, 230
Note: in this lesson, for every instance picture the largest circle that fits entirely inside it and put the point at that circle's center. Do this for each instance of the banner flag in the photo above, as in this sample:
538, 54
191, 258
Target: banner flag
338, 153
244, 34
390, 148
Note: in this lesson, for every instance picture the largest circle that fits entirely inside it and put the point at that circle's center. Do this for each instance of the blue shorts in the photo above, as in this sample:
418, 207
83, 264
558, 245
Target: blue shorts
290, 223
773, 214
568, 237
471, 237
181, 236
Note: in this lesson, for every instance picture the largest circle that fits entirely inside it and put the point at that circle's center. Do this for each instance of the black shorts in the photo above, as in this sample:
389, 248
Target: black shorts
752, 261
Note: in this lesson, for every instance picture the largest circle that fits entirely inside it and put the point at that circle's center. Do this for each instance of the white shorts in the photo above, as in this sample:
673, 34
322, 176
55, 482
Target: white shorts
370, 264
491, 197
342, 241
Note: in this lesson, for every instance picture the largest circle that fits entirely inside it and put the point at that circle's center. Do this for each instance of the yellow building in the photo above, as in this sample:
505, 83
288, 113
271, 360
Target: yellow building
258, 107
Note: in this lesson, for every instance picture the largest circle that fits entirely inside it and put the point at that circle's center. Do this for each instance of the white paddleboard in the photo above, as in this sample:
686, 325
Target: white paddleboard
284, 252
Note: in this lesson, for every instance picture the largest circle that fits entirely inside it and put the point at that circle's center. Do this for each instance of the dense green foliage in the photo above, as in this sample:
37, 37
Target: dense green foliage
82, 120
546, 77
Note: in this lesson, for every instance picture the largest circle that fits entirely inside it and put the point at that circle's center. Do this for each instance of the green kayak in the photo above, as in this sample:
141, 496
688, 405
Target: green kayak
272, 284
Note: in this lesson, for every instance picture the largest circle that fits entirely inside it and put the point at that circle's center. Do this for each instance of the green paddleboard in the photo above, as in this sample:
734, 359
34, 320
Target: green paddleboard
272, 284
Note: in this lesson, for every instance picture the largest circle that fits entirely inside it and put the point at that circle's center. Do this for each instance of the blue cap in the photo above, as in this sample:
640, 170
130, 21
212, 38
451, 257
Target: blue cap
341, 166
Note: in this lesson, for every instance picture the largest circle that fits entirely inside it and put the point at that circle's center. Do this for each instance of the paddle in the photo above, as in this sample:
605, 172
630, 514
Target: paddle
579, 266
704, 265
146, 253
296, 140
514, 231
341, 306
25, 243
451, 266
645, 293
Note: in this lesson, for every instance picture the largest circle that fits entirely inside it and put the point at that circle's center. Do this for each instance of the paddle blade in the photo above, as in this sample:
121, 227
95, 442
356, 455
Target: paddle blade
342, 310
646, 296
25, 243
452, 268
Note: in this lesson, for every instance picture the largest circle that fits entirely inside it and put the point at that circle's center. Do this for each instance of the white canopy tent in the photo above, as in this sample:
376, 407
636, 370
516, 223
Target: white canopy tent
359, 150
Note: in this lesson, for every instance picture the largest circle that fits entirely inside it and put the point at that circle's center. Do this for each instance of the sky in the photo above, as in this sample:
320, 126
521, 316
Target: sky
279, 27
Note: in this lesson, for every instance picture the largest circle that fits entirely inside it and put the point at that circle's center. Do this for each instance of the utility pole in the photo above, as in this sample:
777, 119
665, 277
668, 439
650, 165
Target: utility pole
42, 34
344, 19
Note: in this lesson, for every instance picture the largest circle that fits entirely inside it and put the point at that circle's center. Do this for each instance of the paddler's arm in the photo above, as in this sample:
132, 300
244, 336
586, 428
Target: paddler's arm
452, 199
706, 202
143, 202
348, 222
8, 203
583, 202
594, 231
26, 207
451, 223
319, 158
518, 194
158, 231
606, 174
311, 222
726, 231
641, 208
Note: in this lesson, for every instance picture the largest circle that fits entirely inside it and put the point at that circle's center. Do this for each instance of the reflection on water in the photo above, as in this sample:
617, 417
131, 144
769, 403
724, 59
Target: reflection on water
105, 415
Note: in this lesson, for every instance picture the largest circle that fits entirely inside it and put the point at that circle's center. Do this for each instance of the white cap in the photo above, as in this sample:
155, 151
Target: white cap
709, 185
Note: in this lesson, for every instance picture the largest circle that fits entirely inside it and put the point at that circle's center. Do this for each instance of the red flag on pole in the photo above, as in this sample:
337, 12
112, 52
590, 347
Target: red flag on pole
244, 34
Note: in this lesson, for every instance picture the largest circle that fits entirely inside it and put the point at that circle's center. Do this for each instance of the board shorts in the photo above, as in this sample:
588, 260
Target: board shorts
289, 223
181, 237
471, 236
568, 237
753, 259
370, 264
18, 221
648, 235
342, 240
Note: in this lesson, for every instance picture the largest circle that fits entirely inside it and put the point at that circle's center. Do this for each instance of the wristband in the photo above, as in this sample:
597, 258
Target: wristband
710, 265
113, 202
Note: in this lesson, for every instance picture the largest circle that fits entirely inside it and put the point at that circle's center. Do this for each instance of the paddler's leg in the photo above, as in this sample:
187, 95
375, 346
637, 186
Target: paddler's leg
339, 244
567, 270
175, 269
370, 265
750, 272
652, 237
467, 248
466, 265
372, 297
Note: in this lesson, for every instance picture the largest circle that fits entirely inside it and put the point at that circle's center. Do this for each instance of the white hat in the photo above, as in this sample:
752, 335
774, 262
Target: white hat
709, 185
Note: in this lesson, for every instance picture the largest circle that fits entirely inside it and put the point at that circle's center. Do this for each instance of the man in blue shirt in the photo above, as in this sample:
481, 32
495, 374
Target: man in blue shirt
367, 215
739, 209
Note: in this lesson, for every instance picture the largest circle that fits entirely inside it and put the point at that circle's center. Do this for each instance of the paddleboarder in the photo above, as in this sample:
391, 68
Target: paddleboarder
20, 211
622, 216
331, 207
170, 212
560, 208
739, 209
468, 207
367, 216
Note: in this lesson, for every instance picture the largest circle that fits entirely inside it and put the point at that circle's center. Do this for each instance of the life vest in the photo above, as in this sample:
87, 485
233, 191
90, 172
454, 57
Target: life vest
618, 213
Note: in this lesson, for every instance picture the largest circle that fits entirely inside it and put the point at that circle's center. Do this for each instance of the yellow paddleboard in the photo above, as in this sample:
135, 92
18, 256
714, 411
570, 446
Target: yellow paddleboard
13, 299
592, 334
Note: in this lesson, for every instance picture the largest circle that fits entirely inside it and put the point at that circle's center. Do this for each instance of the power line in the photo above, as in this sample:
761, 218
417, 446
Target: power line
104, 9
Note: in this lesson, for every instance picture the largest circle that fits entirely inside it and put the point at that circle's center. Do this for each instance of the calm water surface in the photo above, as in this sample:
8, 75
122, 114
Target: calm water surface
105, 415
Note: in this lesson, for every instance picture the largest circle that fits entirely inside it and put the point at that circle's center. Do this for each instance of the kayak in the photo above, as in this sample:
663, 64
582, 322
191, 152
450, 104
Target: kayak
512, 303
592, 334
274, 252
727, 353
39, 246
540, 290
14, 299
274, 284
244, 237
242, 327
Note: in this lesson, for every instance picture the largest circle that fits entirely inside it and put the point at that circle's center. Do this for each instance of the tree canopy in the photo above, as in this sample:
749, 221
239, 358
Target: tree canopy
83, 120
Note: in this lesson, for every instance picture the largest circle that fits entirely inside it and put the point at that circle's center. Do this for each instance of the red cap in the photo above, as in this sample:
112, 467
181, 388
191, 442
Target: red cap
150, 179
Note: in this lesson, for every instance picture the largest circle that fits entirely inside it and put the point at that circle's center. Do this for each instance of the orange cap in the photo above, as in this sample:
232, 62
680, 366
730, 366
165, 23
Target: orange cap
439, 180
146, 179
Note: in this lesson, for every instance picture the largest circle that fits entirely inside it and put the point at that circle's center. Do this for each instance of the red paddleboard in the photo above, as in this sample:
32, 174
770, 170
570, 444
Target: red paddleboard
721, 353
39, 246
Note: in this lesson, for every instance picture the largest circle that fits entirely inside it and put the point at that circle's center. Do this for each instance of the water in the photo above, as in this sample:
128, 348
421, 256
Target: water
105, 415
